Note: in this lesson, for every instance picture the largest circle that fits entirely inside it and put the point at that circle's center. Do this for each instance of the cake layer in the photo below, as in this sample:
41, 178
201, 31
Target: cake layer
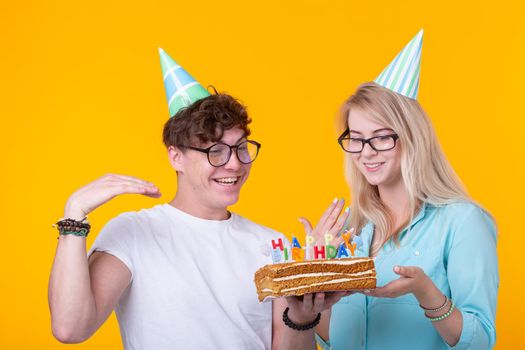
333, 286
298, 278
348, 265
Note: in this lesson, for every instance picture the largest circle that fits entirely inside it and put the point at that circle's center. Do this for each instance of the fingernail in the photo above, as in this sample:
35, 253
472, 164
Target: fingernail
366, 291
335, 200
396, 268
347, 209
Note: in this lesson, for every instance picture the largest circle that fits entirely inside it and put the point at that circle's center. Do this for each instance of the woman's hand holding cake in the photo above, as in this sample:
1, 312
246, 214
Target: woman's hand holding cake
413, 280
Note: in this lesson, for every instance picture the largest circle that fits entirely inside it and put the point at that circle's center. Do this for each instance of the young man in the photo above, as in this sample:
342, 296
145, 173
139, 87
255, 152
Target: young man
179, 275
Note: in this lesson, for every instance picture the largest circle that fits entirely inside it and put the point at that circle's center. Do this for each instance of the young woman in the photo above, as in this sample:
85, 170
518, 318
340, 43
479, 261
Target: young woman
434, 247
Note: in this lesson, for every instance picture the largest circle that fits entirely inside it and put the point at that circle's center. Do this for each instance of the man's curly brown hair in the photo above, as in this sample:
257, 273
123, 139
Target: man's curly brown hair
205, 121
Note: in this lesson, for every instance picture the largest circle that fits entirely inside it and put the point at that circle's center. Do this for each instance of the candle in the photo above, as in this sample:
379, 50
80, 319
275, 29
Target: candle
308, 250
297, 254
331, 251
276, 256
346, 237
278, 244
295, 243
352, 248
342, 252
328, 238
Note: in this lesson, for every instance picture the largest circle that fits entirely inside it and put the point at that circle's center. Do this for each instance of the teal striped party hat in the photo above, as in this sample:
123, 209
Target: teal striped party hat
181, 89
402, 75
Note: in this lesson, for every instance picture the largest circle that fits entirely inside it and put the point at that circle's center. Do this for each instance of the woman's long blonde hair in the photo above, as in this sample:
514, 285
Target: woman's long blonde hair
426, 173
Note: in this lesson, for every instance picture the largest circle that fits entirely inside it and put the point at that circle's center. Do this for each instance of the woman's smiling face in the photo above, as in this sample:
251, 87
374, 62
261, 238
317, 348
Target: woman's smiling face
380, 168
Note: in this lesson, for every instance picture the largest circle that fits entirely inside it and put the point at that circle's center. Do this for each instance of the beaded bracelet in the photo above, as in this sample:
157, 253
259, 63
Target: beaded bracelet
445, 315
436, 309
297, 327
79, 228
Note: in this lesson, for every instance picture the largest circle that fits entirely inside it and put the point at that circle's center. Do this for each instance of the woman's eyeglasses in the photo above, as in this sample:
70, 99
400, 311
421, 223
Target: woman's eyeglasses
356, 145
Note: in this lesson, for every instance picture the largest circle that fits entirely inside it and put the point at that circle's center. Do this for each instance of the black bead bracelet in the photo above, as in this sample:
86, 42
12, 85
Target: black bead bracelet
73, 227
303, 327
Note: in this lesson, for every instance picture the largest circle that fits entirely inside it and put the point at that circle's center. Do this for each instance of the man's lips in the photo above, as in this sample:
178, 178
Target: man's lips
227, 181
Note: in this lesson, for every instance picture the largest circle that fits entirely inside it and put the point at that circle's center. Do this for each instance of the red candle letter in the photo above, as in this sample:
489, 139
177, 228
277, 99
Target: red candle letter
319, 251
278, 244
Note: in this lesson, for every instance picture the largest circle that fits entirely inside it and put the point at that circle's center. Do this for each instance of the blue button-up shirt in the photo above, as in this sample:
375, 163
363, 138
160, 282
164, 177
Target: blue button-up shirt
455, 245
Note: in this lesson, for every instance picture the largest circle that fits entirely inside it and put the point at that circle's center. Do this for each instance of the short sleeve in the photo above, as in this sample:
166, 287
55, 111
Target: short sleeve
117, 238
472, 271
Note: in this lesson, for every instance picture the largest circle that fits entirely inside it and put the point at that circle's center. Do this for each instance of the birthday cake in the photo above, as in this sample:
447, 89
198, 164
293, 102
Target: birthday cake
311, 276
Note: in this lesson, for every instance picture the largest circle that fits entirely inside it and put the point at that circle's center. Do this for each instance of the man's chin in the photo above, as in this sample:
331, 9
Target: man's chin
227, 200
232, 201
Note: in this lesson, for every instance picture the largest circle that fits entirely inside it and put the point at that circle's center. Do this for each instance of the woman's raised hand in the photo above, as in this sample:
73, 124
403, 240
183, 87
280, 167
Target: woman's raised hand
91, 196
331, 223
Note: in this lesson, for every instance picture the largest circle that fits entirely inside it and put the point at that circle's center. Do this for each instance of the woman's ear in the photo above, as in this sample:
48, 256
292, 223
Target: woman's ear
176, 158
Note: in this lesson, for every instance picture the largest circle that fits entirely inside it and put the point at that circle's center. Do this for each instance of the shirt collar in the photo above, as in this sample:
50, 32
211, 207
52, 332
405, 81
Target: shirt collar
368, 229
420, 215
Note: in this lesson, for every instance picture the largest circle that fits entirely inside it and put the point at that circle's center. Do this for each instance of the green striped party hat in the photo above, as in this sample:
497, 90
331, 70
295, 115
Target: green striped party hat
181, 89
402, 75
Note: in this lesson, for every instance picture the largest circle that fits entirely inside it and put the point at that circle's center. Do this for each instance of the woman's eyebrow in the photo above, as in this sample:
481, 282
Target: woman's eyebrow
382, 129
373, 132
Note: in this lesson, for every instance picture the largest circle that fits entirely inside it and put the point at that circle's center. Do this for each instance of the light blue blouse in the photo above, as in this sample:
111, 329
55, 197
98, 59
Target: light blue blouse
455, 245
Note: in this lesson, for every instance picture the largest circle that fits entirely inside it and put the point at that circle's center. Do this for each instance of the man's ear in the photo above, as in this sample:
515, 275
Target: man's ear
176, 158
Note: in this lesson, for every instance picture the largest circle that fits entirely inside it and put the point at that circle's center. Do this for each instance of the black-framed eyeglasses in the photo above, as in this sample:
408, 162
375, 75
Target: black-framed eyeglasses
356, 145
220, 153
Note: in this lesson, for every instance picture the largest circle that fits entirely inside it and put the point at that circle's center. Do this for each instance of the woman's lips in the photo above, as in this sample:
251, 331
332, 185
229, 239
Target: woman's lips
373, 167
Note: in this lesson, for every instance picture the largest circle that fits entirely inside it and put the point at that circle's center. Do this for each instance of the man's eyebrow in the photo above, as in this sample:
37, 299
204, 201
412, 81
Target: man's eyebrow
242, 137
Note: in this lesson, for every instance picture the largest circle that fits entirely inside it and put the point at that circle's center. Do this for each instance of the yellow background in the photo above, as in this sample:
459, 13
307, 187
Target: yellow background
81, 95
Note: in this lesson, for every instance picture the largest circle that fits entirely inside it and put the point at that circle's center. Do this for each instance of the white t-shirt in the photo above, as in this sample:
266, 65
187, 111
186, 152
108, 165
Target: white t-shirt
192, 280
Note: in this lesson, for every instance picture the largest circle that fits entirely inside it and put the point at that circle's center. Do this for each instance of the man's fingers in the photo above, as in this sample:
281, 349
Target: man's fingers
154, 195
307, 302
129, 188
116, 180
319, 302
129, 178
293, 301
135, 182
